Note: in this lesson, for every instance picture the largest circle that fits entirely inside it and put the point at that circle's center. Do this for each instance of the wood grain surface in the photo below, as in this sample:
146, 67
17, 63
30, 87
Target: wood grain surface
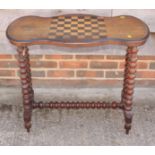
78, 29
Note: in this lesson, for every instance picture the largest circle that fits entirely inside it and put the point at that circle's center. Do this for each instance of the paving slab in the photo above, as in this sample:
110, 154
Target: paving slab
77, 127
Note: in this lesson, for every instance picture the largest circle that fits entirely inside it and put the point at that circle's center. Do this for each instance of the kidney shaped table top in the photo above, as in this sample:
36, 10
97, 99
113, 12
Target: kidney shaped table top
78, 29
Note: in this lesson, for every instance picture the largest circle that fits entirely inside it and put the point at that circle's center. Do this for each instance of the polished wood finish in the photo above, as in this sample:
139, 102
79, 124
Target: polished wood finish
76, 30
128, 87
26, 83
78, 105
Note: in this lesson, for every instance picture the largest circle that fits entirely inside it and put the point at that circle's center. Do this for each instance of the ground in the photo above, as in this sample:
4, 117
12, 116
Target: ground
77, 127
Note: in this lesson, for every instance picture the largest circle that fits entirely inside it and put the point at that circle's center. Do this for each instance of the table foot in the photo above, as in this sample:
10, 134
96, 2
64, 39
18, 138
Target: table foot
128, 120
127, 131
28, 129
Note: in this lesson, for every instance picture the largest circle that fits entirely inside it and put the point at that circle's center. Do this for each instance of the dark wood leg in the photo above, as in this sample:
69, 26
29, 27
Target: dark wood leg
128, 86
26, 83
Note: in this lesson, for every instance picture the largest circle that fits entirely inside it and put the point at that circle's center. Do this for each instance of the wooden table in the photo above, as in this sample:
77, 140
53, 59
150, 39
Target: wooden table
78, 30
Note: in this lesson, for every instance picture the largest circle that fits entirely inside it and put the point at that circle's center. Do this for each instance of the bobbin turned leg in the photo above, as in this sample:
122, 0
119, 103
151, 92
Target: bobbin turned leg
26, 83
128, 87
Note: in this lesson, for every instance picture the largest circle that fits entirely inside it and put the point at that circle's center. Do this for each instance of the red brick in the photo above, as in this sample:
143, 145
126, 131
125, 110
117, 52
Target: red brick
89, 56
121, 65
103, 65
50, 64
8, 64
90, 74
35, 73
43, 64
58, 56
145, 83
146, 74
10, 83
60, 73
152, 65
38, 73
115, 57
73, 64
114, 74
36, 57
32, 57
6, 56
146, 57
140, 65
7, 72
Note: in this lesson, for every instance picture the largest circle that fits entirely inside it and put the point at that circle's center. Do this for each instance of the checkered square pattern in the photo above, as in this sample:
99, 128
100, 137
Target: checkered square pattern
77, 28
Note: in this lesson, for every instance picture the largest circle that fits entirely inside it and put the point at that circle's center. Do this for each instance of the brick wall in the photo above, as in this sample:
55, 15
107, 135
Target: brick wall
67, 70
82, 69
